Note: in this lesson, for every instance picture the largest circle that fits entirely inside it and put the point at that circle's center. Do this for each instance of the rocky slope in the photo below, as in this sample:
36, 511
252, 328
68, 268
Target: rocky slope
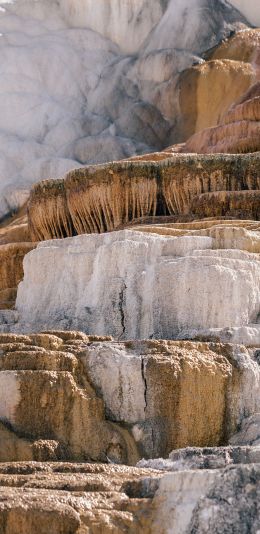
65, 395
238, 132
101, 198
134, 405
75, 498
207, 90
117, 67
134, 284
15, 242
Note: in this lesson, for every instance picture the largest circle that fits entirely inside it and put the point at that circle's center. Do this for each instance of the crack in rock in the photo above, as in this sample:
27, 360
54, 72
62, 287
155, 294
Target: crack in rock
143, 368
121, 308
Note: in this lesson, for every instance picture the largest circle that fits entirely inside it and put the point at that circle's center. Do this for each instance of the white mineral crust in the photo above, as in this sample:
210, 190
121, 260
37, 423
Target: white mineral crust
87, 81
132, 285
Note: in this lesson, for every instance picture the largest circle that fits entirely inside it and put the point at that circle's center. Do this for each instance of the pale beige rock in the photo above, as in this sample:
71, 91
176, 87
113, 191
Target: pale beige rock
75, 498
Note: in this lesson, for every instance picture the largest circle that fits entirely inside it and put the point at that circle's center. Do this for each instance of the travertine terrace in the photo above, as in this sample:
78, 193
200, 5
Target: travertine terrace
102, 198
130, 289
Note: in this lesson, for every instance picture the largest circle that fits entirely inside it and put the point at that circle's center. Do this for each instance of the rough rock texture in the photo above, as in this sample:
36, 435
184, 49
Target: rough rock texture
47, 401
15, 242
101, 198
86, 84
240, 46
75, 498
11, 271
209, 501
238, 131
249, 432
63, 498
239, 204
207, 90
193, 458
69, 396
140, 284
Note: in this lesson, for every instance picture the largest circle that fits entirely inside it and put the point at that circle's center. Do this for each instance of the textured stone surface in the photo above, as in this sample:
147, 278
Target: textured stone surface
80, 84
15, 242
207, 91
133, 284
89, 84
209, 501
75, 498
79, 398
47, 401
239, 204
238, 130
147, 385
101, 198
193, 458
249, 433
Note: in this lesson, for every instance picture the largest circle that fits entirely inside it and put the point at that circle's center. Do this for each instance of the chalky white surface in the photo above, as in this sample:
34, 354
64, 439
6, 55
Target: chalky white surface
87, 81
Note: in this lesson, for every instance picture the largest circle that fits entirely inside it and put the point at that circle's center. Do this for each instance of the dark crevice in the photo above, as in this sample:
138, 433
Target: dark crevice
144, 381
121, 308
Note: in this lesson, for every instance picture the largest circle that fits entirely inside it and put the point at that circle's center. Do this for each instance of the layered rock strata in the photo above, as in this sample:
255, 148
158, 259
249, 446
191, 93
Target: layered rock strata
237, 132
101, 198
207, 90
84, 84
75, 498
195, 279
64, 498
15, 242
65, 395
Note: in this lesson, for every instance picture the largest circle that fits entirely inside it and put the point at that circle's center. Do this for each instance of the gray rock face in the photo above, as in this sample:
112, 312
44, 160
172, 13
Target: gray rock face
232, 505
209, 501
249, 433
197, 458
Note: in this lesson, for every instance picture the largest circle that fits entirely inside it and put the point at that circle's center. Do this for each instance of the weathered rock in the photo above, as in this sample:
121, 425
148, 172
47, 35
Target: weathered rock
249, 433
145, 385
239, 204
47, 401
117, 99
75, 498
240, 487
11, 271
210, 501
240, 46
14, 229
238, 130
207, 91
193, 458
101, 198
14, 244
74, 398
133, 284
